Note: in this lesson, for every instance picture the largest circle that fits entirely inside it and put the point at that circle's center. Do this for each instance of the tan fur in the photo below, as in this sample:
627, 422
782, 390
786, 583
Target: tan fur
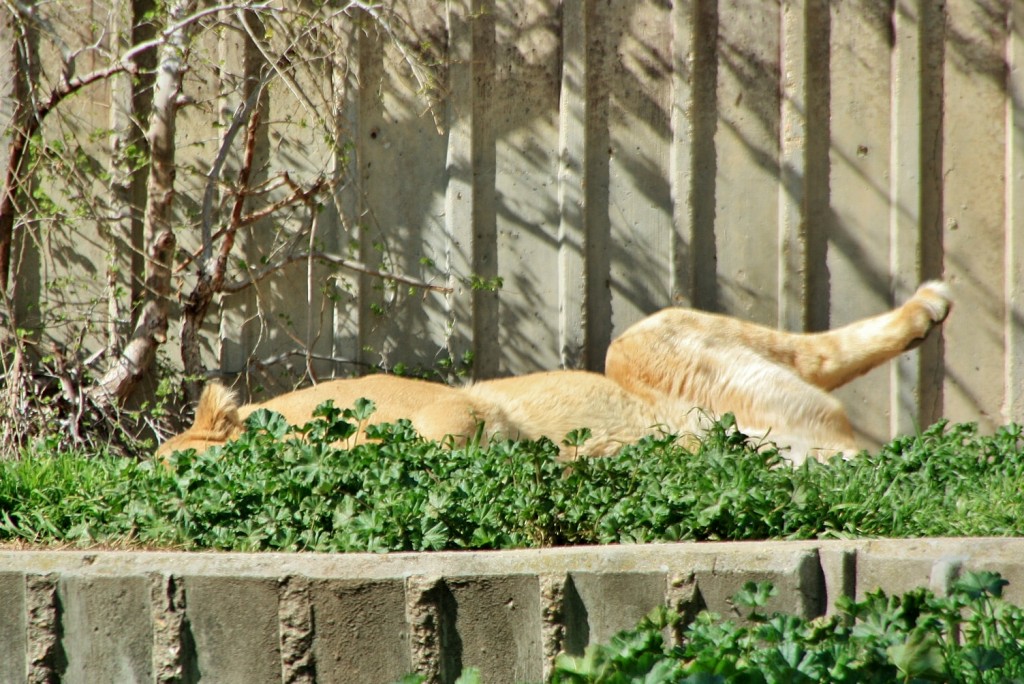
669, 373
217, 420
775, 382
553, 403
436, 411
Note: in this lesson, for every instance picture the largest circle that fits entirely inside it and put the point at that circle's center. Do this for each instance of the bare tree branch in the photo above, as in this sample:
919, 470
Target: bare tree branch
295, 43
27, 123
298, 195
211, 276
342, 262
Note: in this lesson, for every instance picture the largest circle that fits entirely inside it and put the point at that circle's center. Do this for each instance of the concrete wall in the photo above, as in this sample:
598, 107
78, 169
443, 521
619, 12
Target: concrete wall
107, 616
801, 163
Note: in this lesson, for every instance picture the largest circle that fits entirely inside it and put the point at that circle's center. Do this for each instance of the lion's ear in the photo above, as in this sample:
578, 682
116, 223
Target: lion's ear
218, 411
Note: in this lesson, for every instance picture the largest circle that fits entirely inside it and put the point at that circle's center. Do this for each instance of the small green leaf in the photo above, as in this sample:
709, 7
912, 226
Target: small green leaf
755, 595
270, 422
984, 659
577, 437
977, 584
919, 656
362, 410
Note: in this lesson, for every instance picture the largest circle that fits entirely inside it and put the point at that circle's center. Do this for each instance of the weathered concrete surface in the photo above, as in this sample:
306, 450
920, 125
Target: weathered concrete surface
350, 613
98, 616
12, 626
104, 626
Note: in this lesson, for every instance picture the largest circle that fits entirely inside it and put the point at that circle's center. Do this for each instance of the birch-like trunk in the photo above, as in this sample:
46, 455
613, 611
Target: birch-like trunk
151, 328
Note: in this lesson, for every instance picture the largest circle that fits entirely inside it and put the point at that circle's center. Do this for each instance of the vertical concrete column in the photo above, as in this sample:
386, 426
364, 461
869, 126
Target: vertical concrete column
1013, 294
460, 198
905, 199
692, 157
681, 173
347, 202
803, 165
793, 268
914, 225
469, 196
572, 196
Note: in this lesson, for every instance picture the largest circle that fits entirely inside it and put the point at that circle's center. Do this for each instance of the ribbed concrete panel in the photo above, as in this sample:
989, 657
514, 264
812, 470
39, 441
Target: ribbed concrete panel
106, 632
597, 605
13, 631
902, 566
498, 620
361, 631
233, 629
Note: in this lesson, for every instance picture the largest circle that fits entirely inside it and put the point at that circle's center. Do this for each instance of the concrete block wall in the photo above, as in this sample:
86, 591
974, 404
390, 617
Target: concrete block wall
111, 616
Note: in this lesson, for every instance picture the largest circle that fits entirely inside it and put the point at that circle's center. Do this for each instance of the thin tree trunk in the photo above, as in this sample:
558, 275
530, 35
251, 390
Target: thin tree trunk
151, 329
20, 128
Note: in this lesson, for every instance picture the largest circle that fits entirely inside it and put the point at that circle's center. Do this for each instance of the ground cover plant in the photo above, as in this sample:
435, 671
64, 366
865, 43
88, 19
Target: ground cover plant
971, 635
295, 488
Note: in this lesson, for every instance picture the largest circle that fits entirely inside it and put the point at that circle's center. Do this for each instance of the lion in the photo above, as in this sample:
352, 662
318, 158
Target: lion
670, 373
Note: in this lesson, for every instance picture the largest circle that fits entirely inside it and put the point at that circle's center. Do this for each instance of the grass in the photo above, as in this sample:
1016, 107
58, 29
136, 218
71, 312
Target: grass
281, 488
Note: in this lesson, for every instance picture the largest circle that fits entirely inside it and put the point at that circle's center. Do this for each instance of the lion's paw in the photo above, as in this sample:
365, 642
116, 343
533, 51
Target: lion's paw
937, 299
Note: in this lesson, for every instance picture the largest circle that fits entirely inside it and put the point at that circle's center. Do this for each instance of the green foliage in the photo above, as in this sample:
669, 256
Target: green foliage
483, 284
972, 635
469, 676
309, 488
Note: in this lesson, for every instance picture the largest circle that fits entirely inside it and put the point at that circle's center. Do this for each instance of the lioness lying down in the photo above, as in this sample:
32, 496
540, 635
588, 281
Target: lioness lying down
665, 374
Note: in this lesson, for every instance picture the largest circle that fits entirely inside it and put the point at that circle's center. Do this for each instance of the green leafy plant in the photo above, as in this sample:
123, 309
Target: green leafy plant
309, 488
972, 635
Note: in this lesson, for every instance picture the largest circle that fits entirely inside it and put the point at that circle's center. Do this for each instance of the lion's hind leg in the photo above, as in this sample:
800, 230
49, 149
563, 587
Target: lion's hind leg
831, 359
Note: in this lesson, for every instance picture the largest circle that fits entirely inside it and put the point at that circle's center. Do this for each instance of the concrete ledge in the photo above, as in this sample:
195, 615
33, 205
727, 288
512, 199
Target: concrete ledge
91, 616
